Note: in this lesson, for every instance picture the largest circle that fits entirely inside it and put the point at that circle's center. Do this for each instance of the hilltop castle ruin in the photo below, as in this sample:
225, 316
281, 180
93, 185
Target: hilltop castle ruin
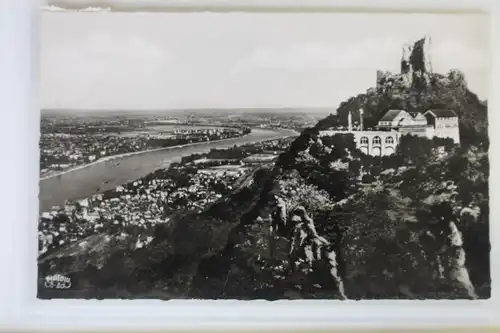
415, 63
416, 69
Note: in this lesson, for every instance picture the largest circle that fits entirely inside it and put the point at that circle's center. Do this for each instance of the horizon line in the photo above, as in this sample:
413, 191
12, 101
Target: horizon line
192, 109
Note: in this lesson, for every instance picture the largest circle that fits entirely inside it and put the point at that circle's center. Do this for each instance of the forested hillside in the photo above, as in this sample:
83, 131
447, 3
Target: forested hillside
412, 225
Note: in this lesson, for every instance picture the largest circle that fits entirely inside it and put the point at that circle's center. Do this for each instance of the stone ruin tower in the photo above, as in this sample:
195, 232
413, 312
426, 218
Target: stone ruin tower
417, 57
415, 61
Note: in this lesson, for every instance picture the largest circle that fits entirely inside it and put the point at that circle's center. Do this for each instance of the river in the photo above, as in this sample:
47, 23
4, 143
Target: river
108, 174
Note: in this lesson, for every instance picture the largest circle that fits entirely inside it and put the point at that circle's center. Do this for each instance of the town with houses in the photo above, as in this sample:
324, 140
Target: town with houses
67, 142
62, 151
135, 207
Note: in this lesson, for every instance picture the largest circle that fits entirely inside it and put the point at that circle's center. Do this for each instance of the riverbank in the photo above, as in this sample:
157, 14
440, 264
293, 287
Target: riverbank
107, 173
113, 157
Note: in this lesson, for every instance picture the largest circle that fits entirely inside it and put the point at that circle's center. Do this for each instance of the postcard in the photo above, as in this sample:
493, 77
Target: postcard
263, 156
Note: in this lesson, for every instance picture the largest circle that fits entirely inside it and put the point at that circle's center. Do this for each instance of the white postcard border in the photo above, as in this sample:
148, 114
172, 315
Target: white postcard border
19, 308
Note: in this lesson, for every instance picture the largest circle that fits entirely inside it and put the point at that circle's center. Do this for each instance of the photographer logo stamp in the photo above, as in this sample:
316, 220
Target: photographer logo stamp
57, 281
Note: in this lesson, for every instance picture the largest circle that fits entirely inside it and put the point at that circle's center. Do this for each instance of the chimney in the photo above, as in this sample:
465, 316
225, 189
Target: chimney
349, 122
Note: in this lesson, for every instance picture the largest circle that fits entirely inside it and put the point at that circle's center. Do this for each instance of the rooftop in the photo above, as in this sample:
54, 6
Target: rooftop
442, 113
390, 115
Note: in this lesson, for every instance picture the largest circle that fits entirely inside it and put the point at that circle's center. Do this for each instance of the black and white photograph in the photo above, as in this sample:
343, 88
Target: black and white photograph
263, 156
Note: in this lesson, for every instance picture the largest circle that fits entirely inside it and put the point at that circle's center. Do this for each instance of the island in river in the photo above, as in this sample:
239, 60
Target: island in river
107, 174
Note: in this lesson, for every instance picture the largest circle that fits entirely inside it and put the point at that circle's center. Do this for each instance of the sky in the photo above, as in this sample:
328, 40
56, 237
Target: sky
135, 61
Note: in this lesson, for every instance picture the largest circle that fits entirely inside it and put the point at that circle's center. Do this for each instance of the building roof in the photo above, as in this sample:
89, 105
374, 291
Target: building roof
442, 113
415, 114
390, 115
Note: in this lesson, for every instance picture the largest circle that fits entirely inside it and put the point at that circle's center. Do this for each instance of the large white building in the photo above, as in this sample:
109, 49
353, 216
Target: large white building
443, 124
440, 123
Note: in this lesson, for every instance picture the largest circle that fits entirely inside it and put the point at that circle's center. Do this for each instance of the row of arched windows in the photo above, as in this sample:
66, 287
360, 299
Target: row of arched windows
377, 140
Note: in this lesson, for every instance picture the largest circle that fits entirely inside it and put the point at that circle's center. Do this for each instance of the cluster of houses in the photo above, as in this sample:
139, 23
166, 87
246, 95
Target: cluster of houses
139, 205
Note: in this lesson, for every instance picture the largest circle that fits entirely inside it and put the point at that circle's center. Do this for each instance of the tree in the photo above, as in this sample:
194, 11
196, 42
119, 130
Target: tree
414, 148
457, 78
367, 179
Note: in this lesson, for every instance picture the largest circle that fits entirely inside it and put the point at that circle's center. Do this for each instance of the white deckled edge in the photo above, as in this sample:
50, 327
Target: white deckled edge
52, 8
266, 5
